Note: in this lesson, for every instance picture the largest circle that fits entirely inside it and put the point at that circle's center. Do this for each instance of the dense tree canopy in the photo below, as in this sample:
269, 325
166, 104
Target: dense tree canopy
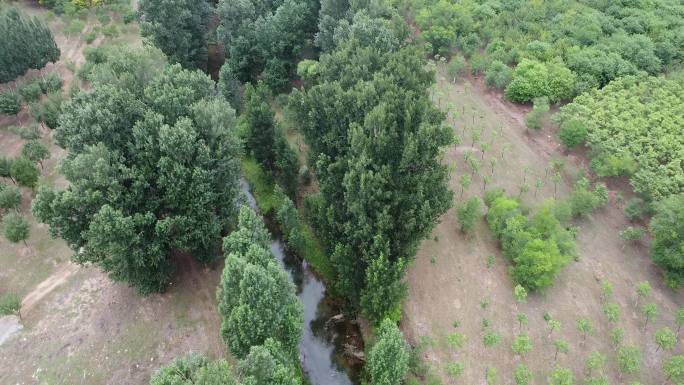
152, 164
635, 121
388, 359
578, 44
179, 28
262, 38
376, 143
26, 43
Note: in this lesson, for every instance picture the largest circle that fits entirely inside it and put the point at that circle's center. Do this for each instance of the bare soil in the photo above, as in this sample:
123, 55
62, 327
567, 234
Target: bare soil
449, 278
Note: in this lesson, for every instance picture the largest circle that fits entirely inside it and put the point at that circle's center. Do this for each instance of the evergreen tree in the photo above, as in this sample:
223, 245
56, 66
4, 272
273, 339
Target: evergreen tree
388, 359
26, 43
256, 300
179, 28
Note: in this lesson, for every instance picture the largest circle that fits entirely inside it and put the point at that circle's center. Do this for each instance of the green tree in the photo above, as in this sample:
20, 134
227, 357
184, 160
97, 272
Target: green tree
268, 364
522, 375
10, 197
162, 176
643, 290
629, 360
16, 228
260, 125
24, 172
379, 173
385, 289
674, 369
612, 312
520, 294
561, 346
616, 336
256, 300
561, 376
585, 327
521, 344
594, 362
48, 111
179, 28
388, 358
455, 369
498, 75
35, 151
27, 43
491, 338
522, 320
10, 103
455, 67
679, 319
468, 212
668, 230
665, 338
650, 312
194, 369
573, 133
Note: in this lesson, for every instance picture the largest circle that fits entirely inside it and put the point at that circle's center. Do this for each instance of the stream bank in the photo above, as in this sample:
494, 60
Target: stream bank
328, 337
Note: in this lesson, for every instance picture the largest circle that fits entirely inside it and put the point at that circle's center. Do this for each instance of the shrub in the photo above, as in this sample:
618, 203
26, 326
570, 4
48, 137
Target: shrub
573, 133
583, 201
30, 91
24, 172
10, 197
667, 227
9, 103
636, 208
498, 75
538, 248
535, 118
48, 111
468, 213
456, 66
51, 83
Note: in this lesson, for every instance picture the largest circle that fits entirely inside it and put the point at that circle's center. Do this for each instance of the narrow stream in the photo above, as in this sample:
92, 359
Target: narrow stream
322, 347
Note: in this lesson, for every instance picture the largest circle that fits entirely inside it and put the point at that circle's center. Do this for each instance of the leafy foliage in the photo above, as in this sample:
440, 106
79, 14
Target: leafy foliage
179, 28
15, 227
194, 369
375, 142
667, 227
559, 49
26, 43
256, 300
468, 212
155, 170
388, 358
538, 247
634, 127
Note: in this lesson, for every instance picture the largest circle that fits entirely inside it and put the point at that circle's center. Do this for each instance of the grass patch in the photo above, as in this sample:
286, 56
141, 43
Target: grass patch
268, 201
9, 304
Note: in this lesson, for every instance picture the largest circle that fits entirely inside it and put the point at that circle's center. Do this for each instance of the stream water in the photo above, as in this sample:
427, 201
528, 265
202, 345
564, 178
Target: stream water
321, 350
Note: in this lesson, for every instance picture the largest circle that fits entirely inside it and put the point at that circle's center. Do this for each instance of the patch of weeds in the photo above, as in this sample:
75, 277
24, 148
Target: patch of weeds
456, 340
490, 261
456, 323
433, 259
484, 303
9, 304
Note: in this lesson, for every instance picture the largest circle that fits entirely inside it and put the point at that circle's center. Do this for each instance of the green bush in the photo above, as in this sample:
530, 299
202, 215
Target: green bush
30, 91
48, 111
573, 133
538, 247
9, 103
9, 304
636, 208
584, 201
456, 66
467, 213
535, 118
667, 227
498, 75
10, 197
51, 83
613, 165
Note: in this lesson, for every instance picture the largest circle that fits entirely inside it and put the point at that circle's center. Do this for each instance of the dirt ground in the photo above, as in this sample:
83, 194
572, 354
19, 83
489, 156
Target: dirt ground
449, 278
79, 327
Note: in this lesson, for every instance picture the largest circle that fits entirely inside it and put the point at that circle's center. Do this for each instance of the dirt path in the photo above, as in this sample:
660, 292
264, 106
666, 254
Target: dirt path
450, 279
60, 275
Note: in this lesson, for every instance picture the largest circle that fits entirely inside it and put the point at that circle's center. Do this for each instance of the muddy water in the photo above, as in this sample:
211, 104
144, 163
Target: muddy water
321, 350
